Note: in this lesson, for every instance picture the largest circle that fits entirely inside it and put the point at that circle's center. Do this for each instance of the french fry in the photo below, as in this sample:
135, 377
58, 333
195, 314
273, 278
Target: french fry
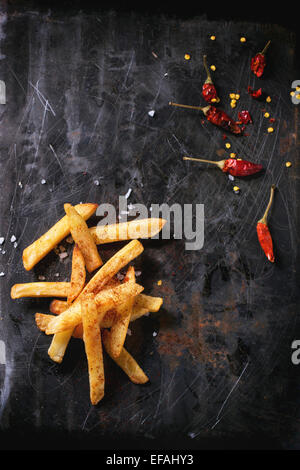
125, 361
78, 274
119, 327
82, 236
43, 245
143, 228
105, 300
152, 304
93, 348
59, 345
40, 289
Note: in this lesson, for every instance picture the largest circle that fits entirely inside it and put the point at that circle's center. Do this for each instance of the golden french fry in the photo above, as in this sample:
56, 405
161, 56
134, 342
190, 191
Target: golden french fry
105, 300
125, 361
40, 289
82, 236
143, 228
152, 304
41, 247
78, 274
59, 345
93, 347
58, 306
119, 328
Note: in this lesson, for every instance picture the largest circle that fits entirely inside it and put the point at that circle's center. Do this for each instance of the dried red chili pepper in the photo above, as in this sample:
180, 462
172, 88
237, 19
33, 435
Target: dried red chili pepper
232, 166
263, 232
258, 62
215, 116
209, 91
244, 117
255, 93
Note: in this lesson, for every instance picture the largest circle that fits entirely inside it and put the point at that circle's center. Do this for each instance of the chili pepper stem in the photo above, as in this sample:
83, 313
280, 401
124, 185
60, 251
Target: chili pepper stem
265, 48
204, 109
209, 79
220, 163
264, 218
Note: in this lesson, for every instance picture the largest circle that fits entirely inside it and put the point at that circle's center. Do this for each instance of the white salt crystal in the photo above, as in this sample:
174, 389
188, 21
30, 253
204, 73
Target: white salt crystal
43, 181
63, 255
128, 193
154, 333
13, 238
1, 240
96, 182
2, 274
151, 113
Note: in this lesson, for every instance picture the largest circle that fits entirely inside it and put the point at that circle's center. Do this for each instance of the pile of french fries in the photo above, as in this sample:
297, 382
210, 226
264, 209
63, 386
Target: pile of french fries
98, 311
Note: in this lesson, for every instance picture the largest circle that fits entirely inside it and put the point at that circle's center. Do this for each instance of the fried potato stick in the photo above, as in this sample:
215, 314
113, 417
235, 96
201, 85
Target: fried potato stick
93, 347
82, 236
43, 245
141, 228
40, 289
78, 274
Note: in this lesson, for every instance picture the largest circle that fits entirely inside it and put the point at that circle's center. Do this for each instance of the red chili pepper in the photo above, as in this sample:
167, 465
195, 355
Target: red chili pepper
258, 62
255, 93
263, 232
215, 116
244, 117
232, 166
209, 91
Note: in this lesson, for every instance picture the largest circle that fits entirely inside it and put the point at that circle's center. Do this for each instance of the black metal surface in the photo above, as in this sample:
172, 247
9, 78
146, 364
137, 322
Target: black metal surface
79, 88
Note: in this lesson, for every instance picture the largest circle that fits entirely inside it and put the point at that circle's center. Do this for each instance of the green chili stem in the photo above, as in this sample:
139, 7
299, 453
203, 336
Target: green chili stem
204, 110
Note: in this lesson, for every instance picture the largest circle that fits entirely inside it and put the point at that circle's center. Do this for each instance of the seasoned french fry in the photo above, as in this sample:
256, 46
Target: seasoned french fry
82, 236
119, 328
105, 300
143, 228
58, 306
78, 274
125, 361
40, 289
41, 247
93, 347
59, 345
152, 304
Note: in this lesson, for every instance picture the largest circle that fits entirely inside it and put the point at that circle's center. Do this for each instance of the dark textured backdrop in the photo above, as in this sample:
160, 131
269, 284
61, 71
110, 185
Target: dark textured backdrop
79, 87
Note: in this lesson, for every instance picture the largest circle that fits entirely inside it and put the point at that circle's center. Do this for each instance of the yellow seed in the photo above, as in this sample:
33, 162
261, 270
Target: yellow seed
288, 164
159, 283
232, 155
228, 145
270, 129
232, 95
212, 38
213, 67
298, 96
243, 39
268, 99
239, 159
267, 115
236, 188
213, 100
187, 56
233, 101
292, 93
237, 96
233, 105
297, 88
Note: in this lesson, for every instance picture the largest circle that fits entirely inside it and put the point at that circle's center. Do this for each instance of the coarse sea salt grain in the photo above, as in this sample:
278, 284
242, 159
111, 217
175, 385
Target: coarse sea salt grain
129, 332
128, 193
63, 255
2, 240
96, 182
41, 278
2, 274
151, 113
231, 177
154, 333
43, 181
13, 238
15, 245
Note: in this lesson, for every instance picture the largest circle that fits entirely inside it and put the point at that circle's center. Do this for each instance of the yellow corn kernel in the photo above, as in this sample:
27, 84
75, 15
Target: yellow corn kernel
187, 56
213, 67
228, 145
212, 38
270, 129
232, 155
268, 99
214, 100
292, 93
233, 104
288, 164
267, 115
242, 39
232, 95
237, 96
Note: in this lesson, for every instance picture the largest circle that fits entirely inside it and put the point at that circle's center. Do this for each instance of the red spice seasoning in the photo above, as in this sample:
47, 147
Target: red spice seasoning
255, 93
258, 62
263, 232
209, 91
232, 166
244, 117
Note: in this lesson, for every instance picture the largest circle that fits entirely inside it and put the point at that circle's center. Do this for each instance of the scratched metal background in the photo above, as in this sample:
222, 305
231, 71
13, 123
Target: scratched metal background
79, 87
